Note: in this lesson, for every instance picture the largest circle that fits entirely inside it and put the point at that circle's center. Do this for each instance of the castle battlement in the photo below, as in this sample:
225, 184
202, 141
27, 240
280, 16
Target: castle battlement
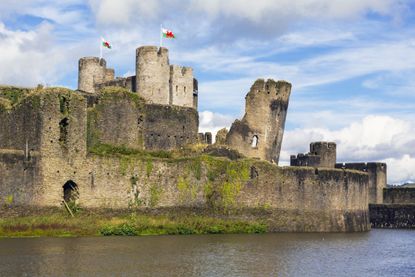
322, 154
156, 80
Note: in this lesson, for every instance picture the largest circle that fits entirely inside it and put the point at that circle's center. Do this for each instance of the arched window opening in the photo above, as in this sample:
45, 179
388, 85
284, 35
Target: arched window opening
70, 192
184, 89
254, 143
177, 88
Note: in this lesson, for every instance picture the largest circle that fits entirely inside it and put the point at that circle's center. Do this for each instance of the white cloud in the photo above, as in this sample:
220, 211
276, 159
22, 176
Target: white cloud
374, 138
25, 57
213, 122
406, 169
257, 10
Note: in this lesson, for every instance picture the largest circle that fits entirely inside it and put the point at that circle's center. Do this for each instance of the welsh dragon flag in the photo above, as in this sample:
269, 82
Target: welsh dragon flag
106, 44
167, 33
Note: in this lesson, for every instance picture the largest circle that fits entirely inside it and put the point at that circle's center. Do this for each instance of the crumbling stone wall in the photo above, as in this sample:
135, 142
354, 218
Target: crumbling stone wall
56, 143
128, 83
124, 119
259, 134
169, 127
220, 138
117, 119
20, 177
377, 178
20, 142
322, 154
21, 125
290, 199
399, 195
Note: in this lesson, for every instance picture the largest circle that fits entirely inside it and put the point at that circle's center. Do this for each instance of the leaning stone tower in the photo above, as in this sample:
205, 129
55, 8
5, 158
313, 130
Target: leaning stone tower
153, 74
259, 134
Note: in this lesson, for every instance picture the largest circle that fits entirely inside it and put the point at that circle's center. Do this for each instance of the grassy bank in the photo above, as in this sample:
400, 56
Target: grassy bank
86, 223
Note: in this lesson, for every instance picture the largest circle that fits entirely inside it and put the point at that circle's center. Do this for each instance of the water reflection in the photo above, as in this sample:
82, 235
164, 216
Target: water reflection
377, 253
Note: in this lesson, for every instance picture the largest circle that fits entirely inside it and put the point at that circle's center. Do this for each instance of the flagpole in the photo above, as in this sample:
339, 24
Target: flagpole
100, 50
161, 35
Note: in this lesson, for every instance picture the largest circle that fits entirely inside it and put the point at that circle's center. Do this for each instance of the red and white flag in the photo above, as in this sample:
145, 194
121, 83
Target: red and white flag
167, 33
106, 44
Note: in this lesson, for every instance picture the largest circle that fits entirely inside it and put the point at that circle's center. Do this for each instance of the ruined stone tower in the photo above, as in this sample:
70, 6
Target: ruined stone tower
259, 134
92, 71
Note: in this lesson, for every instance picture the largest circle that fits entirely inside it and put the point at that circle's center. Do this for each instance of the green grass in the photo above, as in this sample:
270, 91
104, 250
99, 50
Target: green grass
111, 150
86, 223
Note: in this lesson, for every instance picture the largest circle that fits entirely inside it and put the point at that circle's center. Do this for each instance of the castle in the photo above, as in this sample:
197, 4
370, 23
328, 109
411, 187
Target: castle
112, 143
156, 80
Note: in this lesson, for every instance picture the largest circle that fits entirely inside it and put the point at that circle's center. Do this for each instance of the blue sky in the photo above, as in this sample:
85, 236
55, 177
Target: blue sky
351, 63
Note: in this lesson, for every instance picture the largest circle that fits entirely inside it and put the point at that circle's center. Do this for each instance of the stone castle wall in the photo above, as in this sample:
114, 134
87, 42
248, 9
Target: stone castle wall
377, 178
392, 216
124, 119
399, 195
169, 127
259, 134
21, 126
291, 199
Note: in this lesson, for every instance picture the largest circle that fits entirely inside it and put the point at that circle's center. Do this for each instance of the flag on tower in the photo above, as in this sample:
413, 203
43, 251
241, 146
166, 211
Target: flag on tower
106, 43
167, 33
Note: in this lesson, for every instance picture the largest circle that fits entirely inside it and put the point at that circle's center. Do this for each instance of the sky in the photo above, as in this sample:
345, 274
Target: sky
351, 63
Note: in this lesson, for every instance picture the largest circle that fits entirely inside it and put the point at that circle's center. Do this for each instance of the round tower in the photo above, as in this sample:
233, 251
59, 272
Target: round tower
153, 74
92, 70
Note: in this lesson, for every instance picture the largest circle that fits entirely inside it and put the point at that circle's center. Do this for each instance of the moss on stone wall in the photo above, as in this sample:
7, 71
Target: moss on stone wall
13, 94
155, 194
118, 93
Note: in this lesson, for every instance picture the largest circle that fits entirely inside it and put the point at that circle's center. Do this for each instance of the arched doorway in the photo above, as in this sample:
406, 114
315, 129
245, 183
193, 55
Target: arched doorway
70, 191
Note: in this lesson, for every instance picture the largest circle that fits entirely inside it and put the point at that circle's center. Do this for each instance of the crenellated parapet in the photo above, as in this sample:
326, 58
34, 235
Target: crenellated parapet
322, 154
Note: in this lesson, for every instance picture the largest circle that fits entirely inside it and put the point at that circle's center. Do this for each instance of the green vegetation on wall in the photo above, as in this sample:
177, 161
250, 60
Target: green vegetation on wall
13, 94
155, 194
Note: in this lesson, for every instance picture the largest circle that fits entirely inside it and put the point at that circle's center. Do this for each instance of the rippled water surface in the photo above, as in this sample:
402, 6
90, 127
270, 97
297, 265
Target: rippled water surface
377, 253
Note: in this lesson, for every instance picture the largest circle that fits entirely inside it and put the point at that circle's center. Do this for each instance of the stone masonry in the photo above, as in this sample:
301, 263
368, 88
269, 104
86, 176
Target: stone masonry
377, 178
259, 133
156, 80
322, 154
107, 145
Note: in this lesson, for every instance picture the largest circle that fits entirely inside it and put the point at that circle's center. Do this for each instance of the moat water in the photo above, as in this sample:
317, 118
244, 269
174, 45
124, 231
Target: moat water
376, 253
